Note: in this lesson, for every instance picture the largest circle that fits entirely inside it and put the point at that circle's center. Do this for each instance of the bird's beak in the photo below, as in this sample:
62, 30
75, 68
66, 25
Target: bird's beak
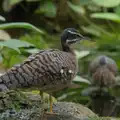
85, 38
81, 38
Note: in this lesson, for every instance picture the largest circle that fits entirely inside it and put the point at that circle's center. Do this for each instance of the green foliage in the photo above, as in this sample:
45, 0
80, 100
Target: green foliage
15, 44
107, 3
76, 8
2, 18
81, 80
20, 25
36, 39
48, 9
107, 16
98, 19
81, 54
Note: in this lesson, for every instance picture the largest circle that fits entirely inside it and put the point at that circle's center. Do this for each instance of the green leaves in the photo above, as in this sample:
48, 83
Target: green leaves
81, 54
48, 8
77, 8
107, 16
15, 44
2, 18
81, 80
20, 25
91, 30
12, 2
8, 4
107, 3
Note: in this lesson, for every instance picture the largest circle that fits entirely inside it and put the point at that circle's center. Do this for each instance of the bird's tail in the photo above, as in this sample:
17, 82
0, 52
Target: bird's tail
3, 84
103, 77
11, 80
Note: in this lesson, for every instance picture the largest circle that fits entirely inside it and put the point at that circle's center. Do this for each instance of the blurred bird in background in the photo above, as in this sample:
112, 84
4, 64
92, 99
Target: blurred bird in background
103, 71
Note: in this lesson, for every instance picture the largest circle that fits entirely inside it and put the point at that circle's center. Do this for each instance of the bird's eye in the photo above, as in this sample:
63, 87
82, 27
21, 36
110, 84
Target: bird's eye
77, 35
72, 36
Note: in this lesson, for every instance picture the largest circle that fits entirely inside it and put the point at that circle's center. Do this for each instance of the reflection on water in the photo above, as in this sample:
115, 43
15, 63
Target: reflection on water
105, 104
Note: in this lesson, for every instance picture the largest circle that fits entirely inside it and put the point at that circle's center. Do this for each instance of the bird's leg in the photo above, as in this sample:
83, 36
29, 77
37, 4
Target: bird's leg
41, 95
51, 106
51, 103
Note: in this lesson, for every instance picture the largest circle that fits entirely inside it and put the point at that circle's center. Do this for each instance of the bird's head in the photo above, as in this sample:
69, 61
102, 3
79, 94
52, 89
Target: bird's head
71, 36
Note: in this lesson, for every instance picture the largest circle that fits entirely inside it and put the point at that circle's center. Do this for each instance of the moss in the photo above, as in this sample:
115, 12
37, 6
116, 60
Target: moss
14, 100
17, 105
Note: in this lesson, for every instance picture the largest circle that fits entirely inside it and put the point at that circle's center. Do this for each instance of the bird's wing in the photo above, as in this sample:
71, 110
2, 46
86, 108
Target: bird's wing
112, 66
39, 69
93, 66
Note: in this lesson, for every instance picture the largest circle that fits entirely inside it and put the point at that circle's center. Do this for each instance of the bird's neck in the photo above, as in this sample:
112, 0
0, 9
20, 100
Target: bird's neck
67, 48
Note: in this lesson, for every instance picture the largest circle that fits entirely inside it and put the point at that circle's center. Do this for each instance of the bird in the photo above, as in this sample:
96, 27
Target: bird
49, 70
103, 70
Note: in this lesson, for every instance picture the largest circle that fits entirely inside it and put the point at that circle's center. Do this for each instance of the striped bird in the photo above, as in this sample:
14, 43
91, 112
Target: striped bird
49, 70
103, 70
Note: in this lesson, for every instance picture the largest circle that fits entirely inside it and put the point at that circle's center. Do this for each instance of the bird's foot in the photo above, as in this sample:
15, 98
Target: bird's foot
51, 113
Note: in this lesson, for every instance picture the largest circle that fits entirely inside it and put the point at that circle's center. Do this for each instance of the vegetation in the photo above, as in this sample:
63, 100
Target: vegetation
37, 24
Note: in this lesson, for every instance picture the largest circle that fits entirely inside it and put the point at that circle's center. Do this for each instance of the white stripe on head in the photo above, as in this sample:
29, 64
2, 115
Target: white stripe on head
75, 33
73, 40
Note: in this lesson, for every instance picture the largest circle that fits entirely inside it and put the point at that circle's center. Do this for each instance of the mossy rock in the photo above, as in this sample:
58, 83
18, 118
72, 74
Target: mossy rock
16, 105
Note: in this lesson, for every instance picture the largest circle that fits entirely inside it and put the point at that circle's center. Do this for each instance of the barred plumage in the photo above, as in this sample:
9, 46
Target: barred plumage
103, 71
49, 70
42, 70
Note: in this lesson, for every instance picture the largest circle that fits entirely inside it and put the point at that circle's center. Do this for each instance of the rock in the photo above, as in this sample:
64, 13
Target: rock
15, 105
70, 111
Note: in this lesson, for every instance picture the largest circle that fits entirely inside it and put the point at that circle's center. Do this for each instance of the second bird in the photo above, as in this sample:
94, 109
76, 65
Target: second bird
103, 70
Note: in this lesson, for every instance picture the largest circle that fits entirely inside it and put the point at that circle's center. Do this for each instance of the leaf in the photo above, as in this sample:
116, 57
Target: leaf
2, 18
117, 10
81, 54
32, 51
15, 44
4, 35
65, 96
107, 16
36, 39
77, 8
48, 8
20, 25
90, 90
12, 2
92, 30
15, 59
1, 58
32, 0
80, 79
107, 3
8, 4
85, 2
